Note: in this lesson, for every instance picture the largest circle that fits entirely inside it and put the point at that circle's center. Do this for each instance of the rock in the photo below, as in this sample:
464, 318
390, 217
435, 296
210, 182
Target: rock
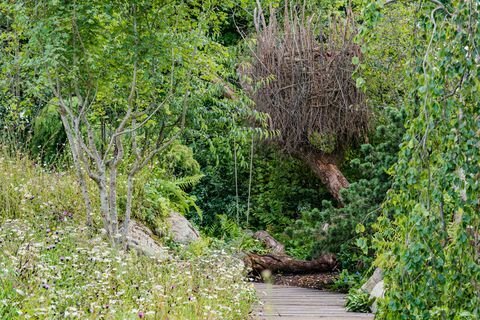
180, 229
141, 239
377, 292
374, 286
376, 277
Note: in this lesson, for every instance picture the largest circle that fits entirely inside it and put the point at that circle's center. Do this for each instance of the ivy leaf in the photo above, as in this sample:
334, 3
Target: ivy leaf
362, 244
360, 228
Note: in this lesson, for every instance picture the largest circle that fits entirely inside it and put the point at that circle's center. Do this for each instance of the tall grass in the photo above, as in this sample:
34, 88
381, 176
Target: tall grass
27, 189
52, 267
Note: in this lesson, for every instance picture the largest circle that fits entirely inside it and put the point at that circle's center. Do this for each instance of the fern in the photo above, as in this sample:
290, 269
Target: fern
188, 181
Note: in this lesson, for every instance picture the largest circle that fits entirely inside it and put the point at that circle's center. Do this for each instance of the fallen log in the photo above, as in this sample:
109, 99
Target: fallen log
287, 264
279, 262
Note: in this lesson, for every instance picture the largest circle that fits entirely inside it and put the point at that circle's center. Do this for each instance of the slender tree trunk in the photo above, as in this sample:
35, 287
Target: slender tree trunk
104, 205
113, 200
327, 171
75, 149
128, 208
118, 155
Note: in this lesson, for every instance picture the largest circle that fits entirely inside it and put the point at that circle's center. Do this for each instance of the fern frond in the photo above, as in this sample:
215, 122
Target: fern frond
188, 181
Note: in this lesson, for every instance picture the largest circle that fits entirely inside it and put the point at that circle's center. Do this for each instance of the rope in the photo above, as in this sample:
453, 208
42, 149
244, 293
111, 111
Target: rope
250, 180
236, 180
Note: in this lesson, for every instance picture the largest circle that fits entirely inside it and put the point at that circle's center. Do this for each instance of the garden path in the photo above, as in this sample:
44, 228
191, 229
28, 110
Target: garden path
294, 303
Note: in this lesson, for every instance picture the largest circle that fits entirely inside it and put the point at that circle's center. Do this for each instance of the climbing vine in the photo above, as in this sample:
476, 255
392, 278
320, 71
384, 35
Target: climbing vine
427, 239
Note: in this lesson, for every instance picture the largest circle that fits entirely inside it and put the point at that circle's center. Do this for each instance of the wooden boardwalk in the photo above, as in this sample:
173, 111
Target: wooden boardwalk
293, 303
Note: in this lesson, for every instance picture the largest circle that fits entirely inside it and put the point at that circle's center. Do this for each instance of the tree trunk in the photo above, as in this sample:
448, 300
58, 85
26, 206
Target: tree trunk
287, 264
270, 242
76, 153
328, 172
279, 261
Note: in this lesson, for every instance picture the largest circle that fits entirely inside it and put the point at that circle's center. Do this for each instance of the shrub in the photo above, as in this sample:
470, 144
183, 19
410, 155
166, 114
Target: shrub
330, 228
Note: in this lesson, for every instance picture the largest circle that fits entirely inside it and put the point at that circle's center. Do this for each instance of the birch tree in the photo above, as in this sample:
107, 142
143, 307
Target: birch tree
121, 74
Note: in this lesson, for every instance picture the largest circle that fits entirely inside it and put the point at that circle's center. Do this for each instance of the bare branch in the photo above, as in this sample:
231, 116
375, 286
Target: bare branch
305, 83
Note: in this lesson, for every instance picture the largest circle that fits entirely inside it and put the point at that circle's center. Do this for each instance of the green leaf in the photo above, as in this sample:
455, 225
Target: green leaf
362, 244
360, 82
360, 228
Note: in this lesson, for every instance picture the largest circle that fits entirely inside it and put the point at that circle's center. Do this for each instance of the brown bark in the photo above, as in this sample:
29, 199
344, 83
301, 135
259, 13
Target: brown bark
327, 171
279, 261
270, 242
287, 264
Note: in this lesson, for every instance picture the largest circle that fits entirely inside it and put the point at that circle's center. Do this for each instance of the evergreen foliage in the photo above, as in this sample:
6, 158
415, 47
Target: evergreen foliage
334, 229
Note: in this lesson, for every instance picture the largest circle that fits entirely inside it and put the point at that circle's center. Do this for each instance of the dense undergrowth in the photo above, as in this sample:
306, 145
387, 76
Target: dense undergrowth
51, 267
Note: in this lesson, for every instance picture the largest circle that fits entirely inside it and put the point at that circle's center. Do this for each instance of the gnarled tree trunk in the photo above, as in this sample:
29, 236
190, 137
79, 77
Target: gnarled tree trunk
270, 242
327, 171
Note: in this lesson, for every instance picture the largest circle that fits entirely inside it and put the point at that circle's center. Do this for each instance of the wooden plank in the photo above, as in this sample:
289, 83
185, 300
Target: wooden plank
293, 303
316, 317
303, 303
319, 315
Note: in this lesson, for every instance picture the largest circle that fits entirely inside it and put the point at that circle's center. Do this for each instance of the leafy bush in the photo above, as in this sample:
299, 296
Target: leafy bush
334, 229
231, 234
48, 137
358, 301
346, 281
427, 239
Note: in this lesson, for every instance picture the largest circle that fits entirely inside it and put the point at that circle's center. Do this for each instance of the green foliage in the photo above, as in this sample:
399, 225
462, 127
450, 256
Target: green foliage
347, 281
234, 236
323, 142
165, 186
163, 195
332, 229
48, 138
427, 239
21, 98
383, 68
358, 301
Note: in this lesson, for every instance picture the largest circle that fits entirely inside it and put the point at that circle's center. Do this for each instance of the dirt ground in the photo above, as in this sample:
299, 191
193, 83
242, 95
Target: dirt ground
313, 281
